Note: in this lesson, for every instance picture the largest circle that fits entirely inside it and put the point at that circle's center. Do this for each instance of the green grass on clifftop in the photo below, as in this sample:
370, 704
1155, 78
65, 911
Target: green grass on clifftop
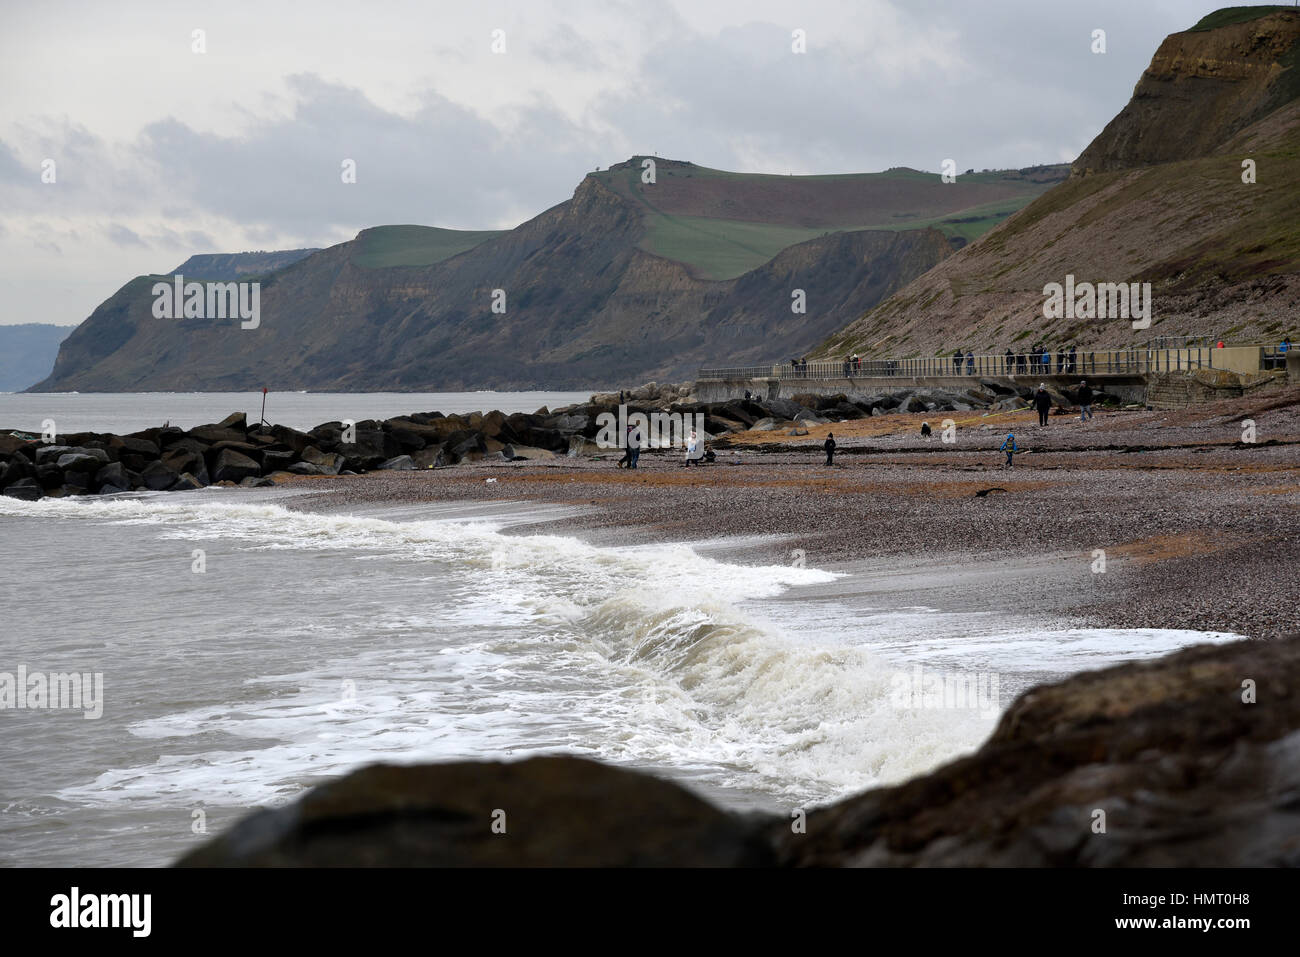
721, 224
1230, 15
385, 246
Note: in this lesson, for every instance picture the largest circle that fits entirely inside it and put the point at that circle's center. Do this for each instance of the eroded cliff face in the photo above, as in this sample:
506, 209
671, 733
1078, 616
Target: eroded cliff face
1201, 89
1163, 201
585, 307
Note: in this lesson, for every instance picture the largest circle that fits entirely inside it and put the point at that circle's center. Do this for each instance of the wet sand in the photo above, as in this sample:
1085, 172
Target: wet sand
1199, 529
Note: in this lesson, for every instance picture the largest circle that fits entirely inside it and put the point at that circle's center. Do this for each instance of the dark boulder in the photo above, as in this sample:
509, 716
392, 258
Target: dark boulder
408, 440
232, 466
113, 474
79, 483
156, 476
212, 434
24, 489
49, 476
127, 444
274, 460
15, 469
9, 444
182, 460
186, 483
49, 454
236, 420
305, 468
291, 438
371, 446
555, 810
331, 463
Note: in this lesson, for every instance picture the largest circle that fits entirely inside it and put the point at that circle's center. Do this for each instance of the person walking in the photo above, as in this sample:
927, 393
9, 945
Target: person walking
1042, 402
1085, 401
956, 362
1022, 363
626, 461
829, 446
1009, 446
970, 362
1072, 364
633, 446
1009, 360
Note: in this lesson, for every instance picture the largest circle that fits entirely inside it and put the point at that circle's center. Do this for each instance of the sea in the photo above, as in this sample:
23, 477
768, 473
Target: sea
236, 650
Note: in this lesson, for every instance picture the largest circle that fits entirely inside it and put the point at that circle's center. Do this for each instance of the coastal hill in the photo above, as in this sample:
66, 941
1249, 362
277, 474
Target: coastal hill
625, 281
27, 352
235, 266
1159, 196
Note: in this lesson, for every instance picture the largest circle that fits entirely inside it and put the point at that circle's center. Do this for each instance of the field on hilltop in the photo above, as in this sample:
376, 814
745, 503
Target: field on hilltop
387, 246
722, 224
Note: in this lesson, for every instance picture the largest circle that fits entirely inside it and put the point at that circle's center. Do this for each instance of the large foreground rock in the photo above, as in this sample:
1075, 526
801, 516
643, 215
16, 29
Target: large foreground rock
553, 810
1185, 771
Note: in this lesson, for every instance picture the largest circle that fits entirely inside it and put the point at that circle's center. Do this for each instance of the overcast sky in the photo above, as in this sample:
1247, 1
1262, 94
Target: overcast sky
160, 151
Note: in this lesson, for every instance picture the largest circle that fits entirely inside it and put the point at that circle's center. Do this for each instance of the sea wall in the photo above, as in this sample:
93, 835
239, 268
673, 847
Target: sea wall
1125, 388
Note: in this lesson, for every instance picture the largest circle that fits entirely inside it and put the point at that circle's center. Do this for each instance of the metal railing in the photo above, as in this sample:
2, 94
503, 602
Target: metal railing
1094, 363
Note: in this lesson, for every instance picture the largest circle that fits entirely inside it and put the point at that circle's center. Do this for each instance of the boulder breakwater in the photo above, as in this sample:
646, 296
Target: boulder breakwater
234, 453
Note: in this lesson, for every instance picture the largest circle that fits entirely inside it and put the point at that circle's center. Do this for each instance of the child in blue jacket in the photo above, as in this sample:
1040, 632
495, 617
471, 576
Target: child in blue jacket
1009, 446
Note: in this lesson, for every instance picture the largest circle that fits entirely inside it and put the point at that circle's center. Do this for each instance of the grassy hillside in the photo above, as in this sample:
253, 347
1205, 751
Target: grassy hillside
1230, 15
385, 246
226, 267
722, 224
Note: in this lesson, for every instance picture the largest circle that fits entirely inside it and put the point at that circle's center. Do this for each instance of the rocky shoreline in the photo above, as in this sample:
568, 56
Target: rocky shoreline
231, 452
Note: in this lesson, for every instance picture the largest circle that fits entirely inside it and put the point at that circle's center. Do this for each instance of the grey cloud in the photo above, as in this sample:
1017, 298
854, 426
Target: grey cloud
120, 235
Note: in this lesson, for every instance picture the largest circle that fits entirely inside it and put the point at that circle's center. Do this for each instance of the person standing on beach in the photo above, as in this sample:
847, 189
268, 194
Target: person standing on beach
692, 443
1042, 402
829, 446
1009, 446
1085, 401
631, 449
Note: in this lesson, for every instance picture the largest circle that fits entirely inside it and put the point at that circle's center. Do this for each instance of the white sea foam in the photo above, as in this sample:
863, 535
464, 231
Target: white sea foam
507, 645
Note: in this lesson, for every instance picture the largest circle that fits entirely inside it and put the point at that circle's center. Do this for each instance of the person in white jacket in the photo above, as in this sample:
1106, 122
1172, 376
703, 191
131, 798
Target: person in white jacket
692, 448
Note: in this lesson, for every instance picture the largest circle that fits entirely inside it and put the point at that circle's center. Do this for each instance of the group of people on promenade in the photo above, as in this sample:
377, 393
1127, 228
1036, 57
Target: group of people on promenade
1038, 361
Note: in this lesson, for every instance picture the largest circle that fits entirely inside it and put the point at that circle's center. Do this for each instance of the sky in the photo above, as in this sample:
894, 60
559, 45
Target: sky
129, 142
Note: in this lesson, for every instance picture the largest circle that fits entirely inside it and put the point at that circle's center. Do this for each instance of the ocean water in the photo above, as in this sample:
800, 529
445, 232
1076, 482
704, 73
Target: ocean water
133, 411
310, 644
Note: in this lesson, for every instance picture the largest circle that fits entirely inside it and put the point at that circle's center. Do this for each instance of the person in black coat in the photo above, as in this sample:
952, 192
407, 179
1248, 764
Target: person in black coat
1085, 401
1043, 403
829, 446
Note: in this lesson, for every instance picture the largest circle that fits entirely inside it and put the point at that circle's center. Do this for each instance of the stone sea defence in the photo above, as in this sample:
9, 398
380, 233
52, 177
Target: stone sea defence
233, 453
